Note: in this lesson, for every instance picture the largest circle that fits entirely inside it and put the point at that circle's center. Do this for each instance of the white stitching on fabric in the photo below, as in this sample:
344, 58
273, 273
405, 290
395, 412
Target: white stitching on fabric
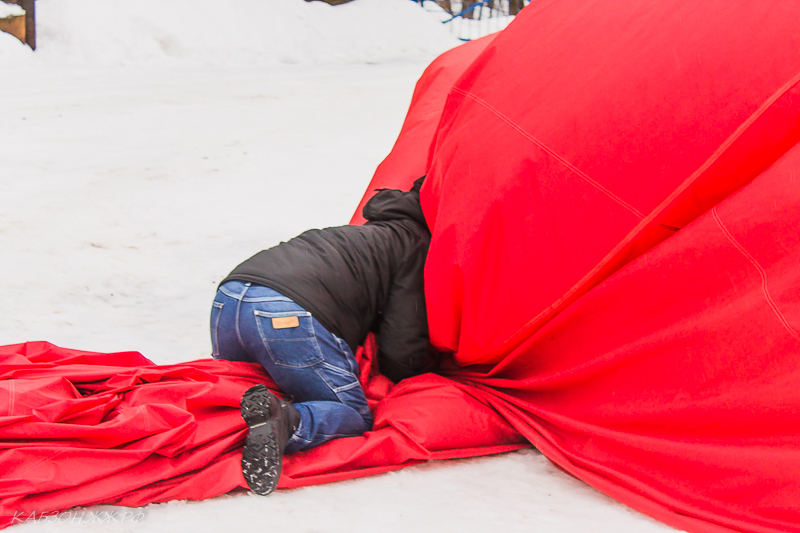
761, 271
552, 153
582, 287
347, 387
215, 330
266, 342
267, 299
229, 294
337, 390
336, 369
279, 314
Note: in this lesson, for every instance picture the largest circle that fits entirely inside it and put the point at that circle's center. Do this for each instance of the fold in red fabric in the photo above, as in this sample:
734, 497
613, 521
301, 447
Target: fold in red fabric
614, 195
81, 428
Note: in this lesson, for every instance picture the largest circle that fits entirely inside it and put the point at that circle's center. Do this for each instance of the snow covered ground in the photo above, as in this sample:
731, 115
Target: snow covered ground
10, 10
140, 162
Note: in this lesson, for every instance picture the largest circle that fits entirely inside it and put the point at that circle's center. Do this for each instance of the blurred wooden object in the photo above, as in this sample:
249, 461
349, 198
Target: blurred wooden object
14, 25
515, 6
28, 33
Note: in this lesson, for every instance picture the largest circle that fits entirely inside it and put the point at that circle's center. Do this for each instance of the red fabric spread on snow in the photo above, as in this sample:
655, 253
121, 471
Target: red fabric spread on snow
81, 428
614, 195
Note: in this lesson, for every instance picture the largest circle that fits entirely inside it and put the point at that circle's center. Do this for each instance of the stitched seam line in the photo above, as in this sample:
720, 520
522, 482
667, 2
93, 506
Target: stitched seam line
267, 299
571, 295
40, 462
215, 331
553, 154
237, 317
738, 132
347, 387
761, 271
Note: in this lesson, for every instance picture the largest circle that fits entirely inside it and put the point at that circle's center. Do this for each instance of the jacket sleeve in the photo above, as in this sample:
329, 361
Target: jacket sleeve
403, 341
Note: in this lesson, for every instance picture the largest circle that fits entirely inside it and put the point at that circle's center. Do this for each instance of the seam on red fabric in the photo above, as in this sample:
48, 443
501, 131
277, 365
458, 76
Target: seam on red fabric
146, 420
552, 153
12, 394
515, 340
761, 271
735, 136
42, 461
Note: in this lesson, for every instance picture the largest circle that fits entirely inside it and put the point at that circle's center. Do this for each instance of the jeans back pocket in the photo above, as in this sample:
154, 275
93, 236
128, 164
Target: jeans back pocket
289, 337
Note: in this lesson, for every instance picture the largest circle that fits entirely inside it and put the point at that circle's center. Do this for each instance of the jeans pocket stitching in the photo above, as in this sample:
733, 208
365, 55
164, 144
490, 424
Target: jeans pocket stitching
230, 294
345, 388
351, 359
336, 390
312, 339
281, 314
263, 299
337, 370
215, 328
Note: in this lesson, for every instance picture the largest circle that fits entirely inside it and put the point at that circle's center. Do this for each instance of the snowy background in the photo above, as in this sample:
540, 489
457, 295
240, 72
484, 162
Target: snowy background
148, 147
10, 10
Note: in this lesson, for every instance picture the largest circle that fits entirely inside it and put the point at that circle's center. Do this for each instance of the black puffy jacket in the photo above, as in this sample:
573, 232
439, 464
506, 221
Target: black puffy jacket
357, 279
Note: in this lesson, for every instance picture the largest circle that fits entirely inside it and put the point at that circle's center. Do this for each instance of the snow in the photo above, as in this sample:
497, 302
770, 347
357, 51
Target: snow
464, 28
510, 493
10, 10
135, 175
232, 32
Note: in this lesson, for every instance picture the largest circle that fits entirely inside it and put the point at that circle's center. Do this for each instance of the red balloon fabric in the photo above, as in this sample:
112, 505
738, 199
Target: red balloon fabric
408, 159
81, 428
586, 133
614, 195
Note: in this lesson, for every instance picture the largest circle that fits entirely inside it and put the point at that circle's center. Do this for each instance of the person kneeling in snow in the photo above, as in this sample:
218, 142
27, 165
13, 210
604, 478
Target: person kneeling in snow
303, 307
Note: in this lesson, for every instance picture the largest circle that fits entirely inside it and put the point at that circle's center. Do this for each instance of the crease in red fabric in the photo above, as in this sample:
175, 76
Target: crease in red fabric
552, 153
649, 350
86, 431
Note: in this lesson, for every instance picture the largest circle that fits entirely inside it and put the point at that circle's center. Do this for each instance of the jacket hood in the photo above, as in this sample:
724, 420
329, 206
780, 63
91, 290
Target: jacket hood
392, 204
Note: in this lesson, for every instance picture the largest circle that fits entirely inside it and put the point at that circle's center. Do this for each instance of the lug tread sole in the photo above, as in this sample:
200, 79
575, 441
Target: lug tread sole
261, 458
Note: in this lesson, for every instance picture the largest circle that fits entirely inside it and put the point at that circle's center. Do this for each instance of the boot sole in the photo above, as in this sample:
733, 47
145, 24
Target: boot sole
257, 405
262, 458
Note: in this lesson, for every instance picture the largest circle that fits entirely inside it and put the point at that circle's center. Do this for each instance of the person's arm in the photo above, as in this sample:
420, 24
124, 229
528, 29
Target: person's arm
403, 340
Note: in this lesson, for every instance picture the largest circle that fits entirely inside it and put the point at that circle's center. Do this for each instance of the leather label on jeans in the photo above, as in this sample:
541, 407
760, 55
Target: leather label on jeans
285, 322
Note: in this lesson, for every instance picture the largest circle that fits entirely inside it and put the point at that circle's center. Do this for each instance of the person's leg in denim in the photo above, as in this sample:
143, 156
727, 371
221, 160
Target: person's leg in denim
316, 369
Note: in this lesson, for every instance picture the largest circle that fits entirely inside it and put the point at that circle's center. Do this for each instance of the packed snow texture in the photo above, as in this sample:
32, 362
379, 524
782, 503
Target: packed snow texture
136, 174
518, 492
465, 28
10, 10
230, 32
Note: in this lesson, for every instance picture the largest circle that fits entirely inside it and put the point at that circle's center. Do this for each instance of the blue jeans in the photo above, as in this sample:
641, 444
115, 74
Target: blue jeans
315, 368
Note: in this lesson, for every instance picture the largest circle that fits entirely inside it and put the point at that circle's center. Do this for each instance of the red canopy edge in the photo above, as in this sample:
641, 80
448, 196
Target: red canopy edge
658, 204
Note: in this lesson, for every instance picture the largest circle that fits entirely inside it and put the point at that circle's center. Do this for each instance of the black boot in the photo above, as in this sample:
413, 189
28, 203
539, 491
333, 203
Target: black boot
272, 422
